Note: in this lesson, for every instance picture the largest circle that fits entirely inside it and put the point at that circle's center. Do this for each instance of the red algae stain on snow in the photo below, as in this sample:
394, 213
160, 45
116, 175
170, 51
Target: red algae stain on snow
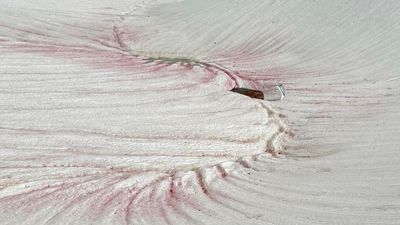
105, 192
101, 59
221, 171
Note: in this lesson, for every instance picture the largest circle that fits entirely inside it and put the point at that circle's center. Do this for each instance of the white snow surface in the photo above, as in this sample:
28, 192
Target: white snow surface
119, 112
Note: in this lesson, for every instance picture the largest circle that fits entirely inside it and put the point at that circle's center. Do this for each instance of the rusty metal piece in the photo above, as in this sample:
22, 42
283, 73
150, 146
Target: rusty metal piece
249, 92
276, 94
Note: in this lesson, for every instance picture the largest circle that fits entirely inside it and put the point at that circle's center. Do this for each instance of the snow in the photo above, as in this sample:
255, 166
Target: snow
119, 112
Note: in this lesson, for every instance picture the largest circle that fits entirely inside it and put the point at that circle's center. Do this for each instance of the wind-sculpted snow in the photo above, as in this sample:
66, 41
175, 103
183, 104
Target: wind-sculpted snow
119, 112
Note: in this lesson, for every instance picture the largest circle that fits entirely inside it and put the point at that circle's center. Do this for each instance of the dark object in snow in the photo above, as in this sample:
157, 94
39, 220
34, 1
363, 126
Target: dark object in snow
270, 95
249, 92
